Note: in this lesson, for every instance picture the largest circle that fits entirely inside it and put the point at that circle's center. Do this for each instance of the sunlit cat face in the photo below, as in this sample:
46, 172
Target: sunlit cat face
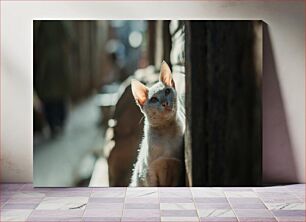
159, 102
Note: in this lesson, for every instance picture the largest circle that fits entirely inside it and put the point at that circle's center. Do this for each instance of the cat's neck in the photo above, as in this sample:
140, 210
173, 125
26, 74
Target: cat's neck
167, 124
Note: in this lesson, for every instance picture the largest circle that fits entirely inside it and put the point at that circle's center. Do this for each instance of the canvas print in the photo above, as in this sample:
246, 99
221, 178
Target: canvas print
147, 103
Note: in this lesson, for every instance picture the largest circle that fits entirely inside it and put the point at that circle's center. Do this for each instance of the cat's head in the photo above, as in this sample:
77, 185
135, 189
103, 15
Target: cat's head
159, 102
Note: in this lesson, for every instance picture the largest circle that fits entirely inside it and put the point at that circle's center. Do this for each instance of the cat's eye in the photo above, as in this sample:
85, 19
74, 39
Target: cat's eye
153, 100
167, 91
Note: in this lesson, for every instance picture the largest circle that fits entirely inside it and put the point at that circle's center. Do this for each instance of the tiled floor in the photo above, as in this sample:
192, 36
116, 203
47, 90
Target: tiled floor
21, 202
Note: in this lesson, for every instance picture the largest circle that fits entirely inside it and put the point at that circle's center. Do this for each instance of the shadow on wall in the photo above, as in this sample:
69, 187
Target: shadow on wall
278, 161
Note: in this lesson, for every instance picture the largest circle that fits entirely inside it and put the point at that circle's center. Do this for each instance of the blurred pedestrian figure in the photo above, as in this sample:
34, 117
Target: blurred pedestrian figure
51, 71
38, 115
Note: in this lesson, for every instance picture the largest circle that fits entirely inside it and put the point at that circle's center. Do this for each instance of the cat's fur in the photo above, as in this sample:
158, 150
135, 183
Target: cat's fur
160, 157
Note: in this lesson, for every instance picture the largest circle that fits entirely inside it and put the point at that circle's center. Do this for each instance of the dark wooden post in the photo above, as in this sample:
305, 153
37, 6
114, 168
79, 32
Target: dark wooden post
166, 41
223, 104
151, 41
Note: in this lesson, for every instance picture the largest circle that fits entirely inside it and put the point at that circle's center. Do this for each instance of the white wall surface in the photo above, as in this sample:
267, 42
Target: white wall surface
283, 82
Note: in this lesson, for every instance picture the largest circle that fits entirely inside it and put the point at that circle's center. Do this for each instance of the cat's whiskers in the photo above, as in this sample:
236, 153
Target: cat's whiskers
140, 120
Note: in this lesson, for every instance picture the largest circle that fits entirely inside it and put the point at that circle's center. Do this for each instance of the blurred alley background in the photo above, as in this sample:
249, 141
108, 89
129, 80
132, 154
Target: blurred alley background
78, 67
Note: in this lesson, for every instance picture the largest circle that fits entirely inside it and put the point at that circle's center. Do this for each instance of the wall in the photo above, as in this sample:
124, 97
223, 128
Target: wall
283, 86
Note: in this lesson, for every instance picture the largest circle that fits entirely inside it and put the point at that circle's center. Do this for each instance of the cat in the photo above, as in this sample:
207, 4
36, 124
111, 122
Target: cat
160, 157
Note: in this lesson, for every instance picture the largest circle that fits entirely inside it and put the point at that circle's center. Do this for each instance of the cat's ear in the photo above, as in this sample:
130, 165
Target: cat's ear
165, 75
140, 92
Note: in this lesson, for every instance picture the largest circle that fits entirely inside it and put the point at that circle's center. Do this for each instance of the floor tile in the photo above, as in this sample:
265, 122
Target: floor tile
141, 219
237, 189
26, 194
175, 193
69, 189
210, 200
253, 213
281, 200
106, 200
177, 206
224, 205
291, 219
139, 193
56, 213
254, 219
53, 219
178, 219
278, 189
218, 219
296, 187
25, 200
289, 213
244, 200
300, 195
207, 192
10, 186
141, 213
104, 206
99, 189
14, 214
27, 187
285, 206
274, 196
62, 203
236, 205
141, 200
140, 189
176, 200
141, 206
109, 193
3, 200
20, 206
68, 193
216, 213
101, 219
240, 194
103, 213
175, 189
178, 213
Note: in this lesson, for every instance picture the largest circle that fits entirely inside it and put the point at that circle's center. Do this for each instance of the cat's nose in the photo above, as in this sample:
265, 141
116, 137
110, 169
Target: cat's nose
164, 104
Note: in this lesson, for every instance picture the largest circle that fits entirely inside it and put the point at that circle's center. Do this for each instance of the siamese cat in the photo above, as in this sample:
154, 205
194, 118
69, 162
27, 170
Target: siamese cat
160, 157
